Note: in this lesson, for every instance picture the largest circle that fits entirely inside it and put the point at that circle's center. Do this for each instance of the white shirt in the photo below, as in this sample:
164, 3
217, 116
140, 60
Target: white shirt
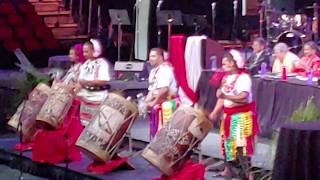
72, 74
234, 85
289, 62
162, 76
98, 69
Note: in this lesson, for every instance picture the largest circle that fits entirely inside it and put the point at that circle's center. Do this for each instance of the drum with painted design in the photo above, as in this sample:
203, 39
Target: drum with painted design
102, 137
28, 111
56, 107
172, 144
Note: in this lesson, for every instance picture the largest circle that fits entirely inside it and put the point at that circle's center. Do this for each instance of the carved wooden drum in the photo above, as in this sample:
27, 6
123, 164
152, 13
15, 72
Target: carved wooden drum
171, 146
102, 137
56, 107
28, 111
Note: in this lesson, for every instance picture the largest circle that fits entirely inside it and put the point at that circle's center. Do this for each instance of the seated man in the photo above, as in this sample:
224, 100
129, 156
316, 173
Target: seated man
162, 83
258, 56
283, 58
310, 61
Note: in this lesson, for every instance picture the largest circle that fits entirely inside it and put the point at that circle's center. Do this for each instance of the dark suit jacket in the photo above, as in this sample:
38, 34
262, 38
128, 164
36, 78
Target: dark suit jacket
254, 65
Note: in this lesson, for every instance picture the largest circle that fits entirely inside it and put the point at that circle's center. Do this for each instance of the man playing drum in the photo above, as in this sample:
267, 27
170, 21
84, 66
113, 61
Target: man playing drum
162, 87
239, 124
93, 80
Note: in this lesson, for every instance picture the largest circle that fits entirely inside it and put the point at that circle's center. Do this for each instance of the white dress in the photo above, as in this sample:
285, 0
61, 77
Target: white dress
98, 69
234, 85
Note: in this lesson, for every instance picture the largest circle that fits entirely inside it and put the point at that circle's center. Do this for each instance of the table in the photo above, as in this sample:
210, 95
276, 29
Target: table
276, 100
298, 149
130, 88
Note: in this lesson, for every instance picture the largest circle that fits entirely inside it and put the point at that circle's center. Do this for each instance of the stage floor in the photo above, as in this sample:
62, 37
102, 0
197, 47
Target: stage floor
77, 170
143, 170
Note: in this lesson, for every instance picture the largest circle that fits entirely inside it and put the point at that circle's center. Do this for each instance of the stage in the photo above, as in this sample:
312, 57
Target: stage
143, 170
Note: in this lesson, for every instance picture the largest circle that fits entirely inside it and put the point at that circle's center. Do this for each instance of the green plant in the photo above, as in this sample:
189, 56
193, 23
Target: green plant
308, 113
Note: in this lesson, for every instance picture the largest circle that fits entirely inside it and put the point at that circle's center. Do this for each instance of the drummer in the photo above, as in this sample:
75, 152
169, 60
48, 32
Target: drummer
94, 75
239, 125
284, 58
76, 59
162, 82
310, 62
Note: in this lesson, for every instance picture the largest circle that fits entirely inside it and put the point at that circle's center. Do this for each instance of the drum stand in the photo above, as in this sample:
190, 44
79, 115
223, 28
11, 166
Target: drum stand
234, 28
19, 129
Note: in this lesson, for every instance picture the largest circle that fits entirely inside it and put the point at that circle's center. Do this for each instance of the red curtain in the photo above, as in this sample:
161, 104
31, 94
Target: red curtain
176, 57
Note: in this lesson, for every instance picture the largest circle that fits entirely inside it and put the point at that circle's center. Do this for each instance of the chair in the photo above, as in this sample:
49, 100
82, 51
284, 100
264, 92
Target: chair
34, 19
50, 43
42, 32
14, 20
7, 8
3, 22
11, 44
5, 32
23, 32
32, 44
26, 8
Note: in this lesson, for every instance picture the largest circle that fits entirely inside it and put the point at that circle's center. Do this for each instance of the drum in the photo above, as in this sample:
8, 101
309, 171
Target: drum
171, 146
28, 110
293, 39
101, 138
56, 107
87, 111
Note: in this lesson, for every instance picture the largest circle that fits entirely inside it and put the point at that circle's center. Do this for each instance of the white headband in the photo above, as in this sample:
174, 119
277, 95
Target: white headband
96, 47
237, 57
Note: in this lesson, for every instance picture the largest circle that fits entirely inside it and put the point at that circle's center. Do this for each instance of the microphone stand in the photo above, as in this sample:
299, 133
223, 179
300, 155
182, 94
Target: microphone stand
19, 129
159, 27
234, 29
66, 138
136, 10
213, 9
268, 22
261, 18
316, 21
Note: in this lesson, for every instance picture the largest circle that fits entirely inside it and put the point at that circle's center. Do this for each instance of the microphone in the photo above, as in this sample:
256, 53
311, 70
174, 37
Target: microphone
159, 5
137, 3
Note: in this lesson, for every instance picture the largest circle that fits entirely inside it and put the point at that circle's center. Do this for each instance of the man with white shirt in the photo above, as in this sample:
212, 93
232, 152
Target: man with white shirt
259, 56
161, 92
162, 83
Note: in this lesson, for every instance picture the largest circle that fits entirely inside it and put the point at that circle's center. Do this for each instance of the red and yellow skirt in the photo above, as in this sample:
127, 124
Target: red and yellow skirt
161, 114
238, 129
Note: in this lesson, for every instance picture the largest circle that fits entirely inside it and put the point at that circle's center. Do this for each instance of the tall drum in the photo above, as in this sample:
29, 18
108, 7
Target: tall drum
101, 138
56, 107
28, 110
171, 146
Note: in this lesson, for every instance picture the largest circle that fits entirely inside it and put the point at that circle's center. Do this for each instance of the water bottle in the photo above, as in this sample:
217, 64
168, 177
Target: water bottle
284, 73
142, 106
263, 69
309, 76
213, 60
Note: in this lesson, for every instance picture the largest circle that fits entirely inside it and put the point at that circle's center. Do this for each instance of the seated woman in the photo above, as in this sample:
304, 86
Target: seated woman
310, 62
239, 124
38, 101
92, 87
60, 137
284, 58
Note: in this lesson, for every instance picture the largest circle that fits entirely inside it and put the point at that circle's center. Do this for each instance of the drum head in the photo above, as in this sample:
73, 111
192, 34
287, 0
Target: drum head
293, 40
